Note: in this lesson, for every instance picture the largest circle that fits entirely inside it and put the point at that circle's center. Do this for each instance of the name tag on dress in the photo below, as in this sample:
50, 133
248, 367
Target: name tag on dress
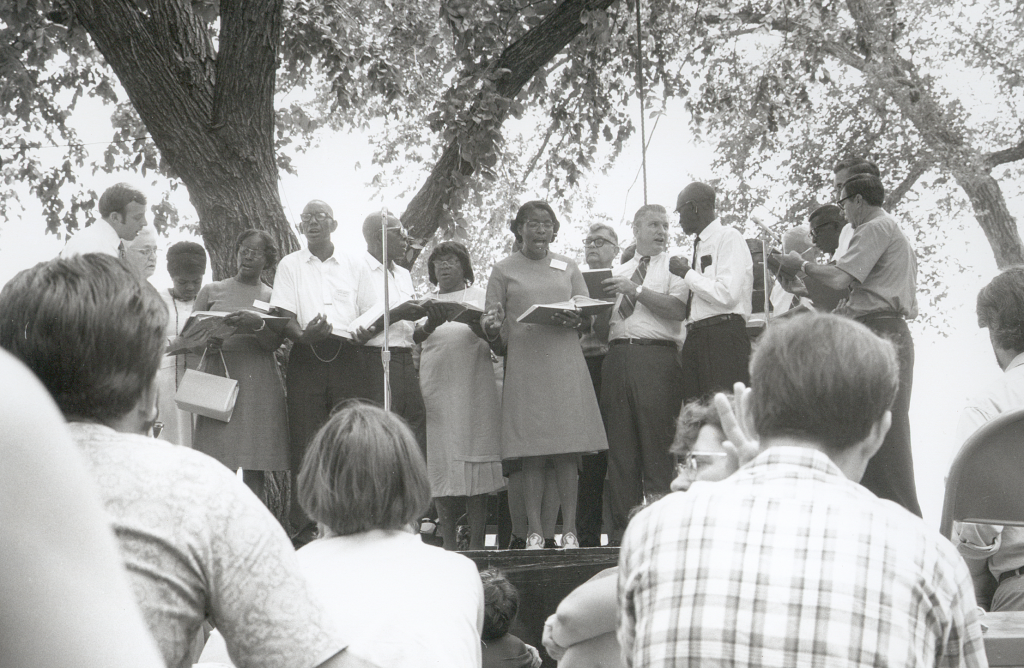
559, 265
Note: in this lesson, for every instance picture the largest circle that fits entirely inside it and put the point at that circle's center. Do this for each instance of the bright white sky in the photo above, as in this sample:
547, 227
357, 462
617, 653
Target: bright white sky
948, 370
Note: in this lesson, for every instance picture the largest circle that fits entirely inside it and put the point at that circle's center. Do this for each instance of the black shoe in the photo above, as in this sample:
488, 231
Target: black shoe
549, 544
516, 543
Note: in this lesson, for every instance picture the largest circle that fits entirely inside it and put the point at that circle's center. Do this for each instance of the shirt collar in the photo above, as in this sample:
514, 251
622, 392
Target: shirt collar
795, 456
1015, 362
712, 227
307, 255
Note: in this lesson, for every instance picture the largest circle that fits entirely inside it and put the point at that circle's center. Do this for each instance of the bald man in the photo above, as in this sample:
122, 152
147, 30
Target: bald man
373, 269
316, 287
720, 278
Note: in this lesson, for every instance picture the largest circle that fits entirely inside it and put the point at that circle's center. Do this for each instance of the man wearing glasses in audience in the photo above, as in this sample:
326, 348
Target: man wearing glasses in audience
316, 287
600, 248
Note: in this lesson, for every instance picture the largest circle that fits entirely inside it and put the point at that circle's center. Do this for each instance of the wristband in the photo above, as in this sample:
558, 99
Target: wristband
263, 325
803, 266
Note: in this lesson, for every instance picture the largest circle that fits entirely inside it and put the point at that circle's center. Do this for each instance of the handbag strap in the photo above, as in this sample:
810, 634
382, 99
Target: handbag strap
222, 361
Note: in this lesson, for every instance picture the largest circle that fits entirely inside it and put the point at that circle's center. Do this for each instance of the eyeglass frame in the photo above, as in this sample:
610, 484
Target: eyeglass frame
253, 253
320, 216
148, 252
587, 243
814, 229
538, 224
447, 264
840, 201
689, 461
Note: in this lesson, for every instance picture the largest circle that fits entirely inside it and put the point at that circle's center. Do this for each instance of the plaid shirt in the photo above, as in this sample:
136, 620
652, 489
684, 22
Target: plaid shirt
789, 563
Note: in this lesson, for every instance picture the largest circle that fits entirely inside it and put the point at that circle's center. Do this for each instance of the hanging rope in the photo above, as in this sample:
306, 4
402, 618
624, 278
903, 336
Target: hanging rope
640, 94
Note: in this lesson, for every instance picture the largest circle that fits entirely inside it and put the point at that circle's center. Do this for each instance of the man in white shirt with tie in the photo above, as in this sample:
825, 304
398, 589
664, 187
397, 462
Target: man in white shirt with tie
122, 215
641, 382
720, 278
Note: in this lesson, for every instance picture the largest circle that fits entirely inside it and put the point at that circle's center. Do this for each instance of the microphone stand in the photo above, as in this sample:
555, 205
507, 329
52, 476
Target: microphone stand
385, 352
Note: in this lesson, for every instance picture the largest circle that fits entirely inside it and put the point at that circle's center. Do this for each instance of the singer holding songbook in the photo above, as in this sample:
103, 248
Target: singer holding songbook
549, 410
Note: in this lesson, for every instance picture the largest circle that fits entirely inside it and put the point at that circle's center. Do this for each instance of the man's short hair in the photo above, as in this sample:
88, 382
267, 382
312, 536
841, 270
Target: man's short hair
1001, 309
115, 198
501, 604
693, 417
822, 378
828, 213
605, 227
362, 471
647, 209
856, 166
867, 186
89, 329
372, 225
186, 257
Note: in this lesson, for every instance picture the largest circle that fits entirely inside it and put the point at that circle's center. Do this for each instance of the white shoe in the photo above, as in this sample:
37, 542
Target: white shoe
570, 542
534, 542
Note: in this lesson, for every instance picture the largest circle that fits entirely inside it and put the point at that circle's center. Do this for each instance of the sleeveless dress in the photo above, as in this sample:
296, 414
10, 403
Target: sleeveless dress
548, 405
463, 410
256, 438
177, 423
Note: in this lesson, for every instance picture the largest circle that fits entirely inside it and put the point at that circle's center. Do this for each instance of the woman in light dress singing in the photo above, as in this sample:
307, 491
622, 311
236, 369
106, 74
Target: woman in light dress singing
461, 399
548, 410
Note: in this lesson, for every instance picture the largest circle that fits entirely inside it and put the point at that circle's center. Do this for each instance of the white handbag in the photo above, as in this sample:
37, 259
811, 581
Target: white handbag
206, 394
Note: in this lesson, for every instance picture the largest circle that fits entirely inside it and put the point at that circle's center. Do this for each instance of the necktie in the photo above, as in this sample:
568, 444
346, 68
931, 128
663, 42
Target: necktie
693, 265
629, 303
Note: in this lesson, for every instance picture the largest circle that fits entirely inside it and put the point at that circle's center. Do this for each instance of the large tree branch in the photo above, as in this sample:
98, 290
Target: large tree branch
900, 191
1012, 154
516, 65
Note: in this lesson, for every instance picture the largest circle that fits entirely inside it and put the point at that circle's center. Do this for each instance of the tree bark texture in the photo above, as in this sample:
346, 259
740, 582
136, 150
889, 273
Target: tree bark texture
941, 131
524, 58
210, 112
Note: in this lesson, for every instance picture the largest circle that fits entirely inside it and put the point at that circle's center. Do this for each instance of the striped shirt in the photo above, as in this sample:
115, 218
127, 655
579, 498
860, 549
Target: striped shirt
790, 563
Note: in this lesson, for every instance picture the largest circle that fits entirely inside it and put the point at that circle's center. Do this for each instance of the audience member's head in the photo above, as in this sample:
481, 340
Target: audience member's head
398, 240
141, 252
362, 471
797, 239
123, 206
1001, 311
186, 263
501, 604
698, 446
91, 332
826, 222
822, 379
317, 223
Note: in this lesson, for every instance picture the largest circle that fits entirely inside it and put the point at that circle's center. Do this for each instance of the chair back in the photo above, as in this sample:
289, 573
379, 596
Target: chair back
986, 481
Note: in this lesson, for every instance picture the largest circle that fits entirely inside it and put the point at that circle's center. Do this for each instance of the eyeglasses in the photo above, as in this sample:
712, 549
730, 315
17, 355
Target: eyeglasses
538, 224
693, 462
814, 230
254, 253
446, 264
691, 203
843, 199
147, 252
319, 215
598, 243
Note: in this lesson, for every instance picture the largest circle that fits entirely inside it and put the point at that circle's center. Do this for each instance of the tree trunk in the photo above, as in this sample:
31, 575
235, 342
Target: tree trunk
940, 128
210, 113
523, 59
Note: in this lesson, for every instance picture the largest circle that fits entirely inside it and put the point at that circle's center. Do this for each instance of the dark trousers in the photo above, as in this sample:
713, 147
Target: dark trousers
406, 397
590, 497
890, 473
714, 358
641, 392
319, 378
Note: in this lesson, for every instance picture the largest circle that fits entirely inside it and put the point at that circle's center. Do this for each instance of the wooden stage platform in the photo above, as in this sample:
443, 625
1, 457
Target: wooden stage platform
544, 578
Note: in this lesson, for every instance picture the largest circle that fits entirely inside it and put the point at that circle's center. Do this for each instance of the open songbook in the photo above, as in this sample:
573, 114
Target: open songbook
414, 309
541, 314
201, 326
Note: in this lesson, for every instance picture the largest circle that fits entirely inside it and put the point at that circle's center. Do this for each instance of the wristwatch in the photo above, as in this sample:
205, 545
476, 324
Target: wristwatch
639, 289
803, 267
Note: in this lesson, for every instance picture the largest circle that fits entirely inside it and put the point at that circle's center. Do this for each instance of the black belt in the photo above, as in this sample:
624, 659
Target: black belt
715, 320
641, 342
879, 315
1011, 574
398, 350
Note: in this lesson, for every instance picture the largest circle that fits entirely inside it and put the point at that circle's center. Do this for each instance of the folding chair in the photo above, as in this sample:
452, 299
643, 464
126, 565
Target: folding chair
986, 481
